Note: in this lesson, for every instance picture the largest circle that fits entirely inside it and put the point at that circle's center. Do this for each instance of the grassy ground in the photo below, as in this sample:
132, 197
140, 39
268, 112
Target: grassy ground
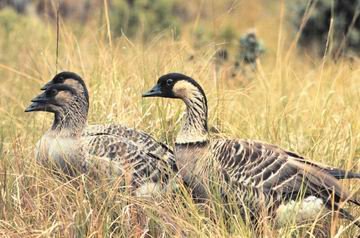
301, 103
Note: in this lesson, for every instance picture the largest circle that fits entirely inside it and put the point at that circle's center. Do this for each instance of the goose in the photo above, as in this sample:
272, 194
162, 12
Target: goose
259, 172
66, 146
140, 138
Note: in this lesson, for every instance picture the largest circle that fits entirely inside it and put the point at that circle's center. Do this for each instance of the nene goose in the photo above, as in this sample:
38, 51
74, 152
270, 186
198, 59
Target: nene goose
70, 148
141, 139
260, 173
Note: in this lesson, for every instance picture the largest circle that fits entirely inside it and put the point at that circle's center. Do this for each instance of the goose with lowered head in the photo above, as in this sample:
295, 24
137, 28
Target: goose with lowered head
74, 147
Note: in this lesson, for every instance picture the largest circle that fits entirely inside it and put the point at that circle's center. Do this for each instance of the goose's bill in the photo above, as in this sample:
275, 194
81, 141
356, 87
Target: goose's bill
38, 103
47, 85
154, 92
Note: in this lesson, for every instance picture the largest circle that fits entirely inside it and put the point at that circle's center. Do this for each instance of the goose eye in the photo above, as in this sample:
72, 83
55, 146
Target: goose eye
60, 80
169, 82
53, 92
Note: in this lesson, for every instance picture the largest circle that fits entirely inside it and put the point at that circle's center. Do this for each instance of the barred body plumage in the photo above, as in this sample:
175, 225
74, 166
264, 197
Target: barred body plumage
113, 150
260, 175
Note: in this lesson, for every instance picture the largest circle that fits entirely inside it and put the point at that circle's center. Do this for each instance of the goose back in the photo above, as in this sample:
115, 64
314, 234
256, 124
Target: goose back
257, 172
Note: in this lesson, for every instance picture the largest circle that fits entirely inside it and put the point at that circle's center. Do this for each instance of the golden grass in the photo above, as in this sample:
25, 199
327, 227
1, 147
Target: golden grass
301, 103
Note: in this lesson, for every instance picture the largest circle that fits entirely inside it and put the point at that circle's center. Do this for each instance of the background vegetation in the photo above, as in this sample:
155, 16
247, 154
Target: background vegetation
295, 98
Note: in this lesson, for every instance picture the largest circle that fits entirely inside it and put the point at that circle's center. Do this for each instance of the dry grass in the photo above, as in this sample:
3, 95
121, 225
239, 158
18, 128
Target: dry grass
301, 103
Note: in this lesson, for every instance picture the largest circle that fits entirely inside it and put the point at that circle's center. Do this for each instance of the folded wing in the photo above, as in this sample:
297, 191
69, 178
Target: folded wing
278, 175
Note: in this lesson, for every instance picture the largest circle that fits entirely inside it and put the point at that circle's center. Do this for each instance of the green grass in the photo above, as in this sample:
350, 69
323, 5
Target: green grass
307, 105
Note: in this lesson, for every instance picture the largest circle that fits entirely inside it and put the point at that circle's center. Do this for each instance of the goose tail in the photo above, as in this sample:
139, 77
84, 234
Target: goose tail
346, 215
342, 174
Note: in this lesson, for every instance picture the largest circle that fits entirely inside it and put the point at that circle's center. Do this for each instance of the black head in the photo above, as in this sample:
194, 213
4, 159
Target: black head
71, 79
54, 99
175, 85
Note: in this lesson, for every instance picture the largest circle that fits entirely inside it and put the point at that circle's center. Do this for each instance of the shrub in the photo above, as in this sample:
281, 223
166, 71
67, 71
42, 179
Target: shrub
144, 17
250, 48
346, 25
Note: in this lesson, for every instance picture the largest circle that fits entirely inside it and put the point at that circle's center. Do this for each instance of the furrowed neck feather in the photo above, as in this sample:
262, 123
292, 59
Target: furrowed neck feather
71, 118
194, 128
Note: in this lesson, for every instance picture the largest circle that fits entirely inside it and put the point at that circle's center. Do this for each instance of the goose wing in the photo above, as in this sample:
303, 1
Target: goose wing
276, 174
335, 172
124, 157
141, 139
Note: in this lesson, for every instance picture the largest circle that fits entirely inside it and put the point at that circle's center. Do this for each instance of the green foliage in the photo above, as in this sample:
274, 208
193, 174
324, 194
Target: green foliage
10, 21
345, 35
202, 36
16, 28
228, 34
145, 17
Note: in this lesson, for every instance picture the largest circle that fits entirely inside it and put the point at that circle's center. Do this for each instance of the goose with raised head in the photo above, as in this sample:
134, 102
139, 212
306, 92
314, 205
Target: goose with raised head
69, 148
260, 173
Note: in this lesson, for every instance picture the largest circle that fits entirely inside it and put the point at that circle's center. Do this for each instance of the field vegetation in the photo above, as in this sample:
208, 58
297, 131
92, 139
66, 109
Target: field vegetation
298, 100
